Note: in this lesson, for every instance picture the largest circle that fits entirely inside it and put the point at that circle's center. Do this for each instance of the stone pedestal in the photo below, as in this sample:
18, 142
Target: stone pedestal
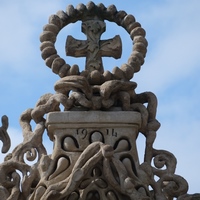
102, 145
74, 131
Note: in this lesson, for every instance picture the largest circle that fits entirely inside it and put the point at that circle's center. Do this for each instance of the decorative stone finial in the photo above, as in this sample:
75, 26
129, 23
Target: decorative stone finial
98, 13
95, 154
4, 137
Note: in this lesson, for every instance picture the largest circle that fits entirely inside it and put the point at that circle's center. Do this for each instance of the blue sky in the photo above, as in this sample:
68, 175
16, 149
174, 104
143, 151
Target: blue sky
171, 69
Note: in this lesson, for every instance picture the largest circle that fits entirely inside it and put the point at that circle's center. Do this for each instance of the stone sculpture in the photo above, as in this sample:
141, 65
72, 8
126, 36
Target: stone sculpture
95, 138
4, 137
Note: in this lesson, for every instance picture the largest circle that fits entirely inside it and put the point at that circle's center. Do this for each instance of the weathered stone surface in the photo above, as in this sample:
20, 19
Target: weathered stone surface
93, 48
83, 142
95, 119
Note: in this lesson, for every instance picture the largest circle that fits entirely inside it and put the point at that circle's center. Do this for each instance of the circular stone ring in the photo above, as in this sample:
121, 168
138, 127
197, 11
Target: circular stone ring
72, 15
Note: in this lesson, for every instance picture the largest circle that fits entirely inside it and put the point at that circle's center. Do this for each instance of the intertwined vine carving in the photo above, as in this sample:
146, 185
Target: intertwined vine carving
98, 170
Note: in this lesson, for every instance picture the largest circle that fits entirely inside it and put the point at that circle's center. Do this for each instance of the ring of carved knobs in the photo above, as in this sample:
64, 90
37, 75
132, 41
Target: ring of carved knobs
91, 89
62, 19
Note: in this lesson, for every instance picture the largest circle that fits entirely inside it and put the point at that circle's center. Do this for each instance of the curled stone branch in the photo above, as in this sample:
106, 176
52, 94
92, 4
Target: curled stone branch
4, 137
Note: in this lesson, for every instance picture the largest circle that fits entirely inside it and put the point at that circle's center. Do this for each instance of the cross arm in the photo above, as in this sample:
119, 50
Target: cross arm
111, 47
76, 48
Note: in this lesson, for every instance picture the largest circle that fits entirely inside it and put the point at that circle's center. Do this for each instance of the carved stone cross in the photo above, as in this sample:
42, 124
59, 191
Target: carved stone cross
93, 48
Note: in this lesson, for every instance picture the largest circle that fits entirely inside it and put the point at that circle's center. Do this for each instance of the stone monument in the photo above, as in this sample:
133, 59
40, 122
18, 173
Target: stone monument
95, 154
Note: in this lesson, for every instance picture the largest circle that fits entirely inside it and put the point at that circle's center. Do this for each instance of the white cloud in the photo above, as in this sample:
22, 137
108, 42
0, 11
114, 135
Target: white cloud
173, 46
21, 26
